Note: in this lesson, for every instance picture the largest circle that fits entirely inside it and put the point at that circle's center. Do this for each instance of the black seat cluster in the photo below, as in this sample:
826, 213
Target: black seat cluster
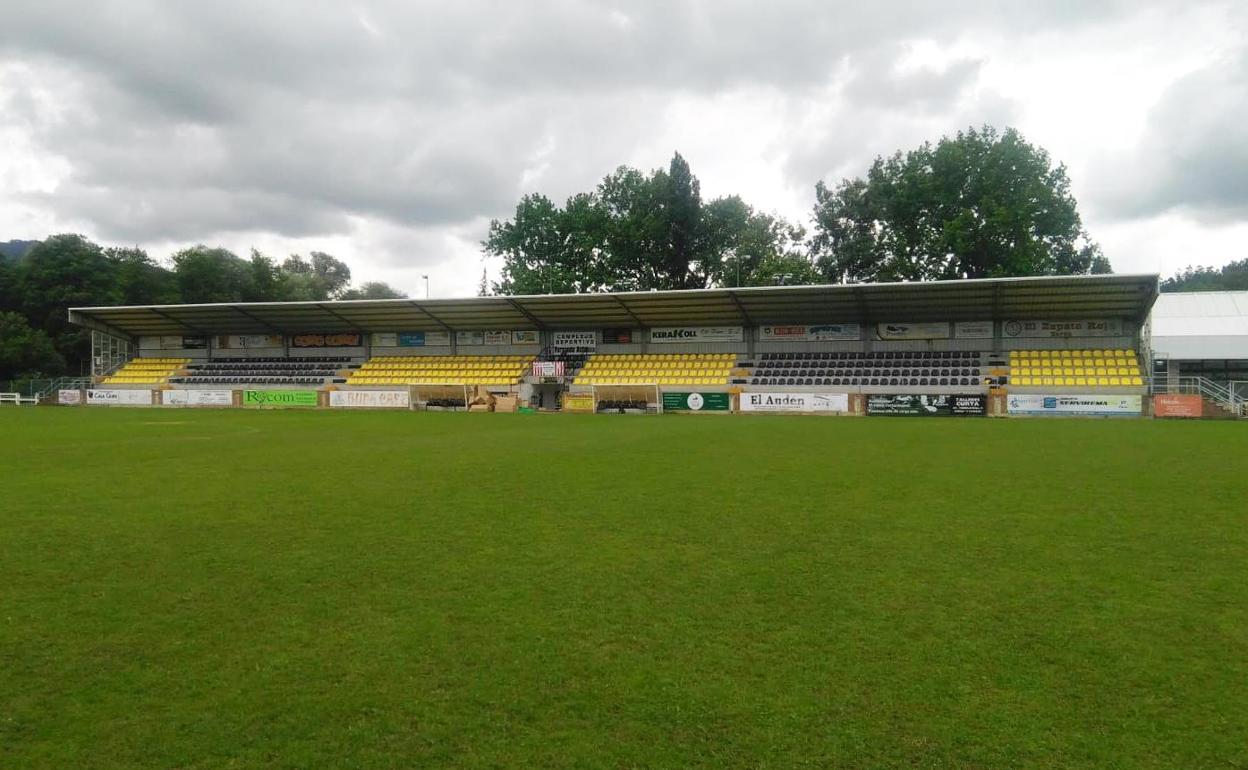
573, 358
907, 369
312, 370
445, 402
620, 406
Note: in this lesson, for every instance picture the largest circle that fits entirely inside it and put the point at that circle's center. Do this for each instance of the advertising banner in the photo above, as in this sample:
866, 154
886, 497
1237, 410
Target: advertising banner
1178, 405
171, 342
973, 330
238, 341
370, 399
574, 339
1087, 328
346, 340
548, 368
795, 402
119, 397
971, 405
1102, 406
937, 330
69, 397
424, 339
385, 340
677, 334
197, 397
525, 337
468, 339
617, 336
812, 333
696, 402
578, 402
279, 398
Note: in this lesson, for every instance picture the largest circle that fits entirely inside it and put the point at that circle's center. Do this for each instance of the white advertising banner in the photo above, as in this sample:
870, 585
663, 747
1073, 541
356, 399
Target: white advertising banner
385, 339
547, 368
469, 338
69, 397
973, 330
1086, 328
197, 397
795, 402
119, 397
677, 334
1098, 405
524, 337
812, 333
498, 338
574, 339
938, 330
370, 399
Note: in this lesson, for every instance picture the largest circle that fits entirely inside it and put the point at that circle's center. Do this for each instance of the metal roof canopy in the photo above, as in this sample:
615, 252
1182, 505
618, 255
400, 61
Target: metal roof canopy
1057, 297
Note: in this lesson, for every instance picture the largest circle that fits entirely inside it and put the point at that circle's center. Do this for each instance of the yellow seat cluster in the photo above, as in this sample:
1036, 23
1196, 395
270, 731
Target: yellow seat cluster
146, 371
658, 368
1082, 368
441, 370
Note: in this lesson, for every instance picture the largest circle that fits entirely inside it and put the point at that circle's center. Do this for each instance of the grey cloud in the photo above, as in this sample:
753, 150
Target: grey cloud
195, 118
1194, 157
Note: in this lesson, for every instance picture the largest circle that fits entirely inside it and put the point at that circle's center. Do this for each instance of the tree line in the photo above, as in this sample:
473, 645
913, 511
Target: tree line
39, 281
976, 205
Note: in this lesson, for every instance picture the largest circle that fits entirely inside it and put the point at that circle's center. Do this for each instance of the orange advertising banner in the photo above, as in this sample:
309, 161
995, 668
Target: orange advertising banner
1177, 406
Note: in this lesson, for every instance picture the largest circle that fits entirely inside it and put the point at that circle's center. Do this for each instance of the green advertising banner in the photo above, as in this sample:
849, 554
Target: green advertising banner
696, 402
279, 398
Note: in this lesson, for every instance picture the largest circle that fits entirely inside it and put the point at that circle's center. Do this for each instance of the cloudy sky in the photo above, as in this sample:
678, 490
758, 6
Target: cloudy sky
389, 134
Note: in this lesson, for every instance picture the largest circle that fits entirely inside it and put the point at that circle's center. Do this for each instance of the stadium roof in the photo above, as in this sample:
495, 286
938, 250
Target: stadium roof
1201, 325
1060, 297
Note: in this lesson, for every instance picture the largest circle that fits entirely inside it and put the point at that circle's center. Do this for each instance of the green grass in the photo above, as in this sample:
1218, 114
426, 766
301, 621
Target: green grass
203, 589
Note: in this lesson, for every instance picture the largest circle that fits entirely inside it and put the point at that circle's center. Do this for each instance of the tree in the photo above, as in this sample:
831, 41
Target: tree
140, 281
483, 287
980, 204
26, 352
637, 232
1231, 277
373, 290
212, 275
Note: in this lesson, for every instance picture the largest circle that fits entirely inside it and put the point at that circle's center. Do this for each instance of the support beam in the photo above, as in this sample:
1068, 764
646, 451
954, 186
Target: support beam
258, 320
179, 322
91, 323
350, 324
624, 306
435, 319
740, 308
521, 310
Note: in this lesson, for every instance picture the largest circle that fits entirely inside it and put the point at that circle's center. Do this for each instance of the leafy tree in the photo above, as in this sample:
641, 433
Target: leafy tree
636, 232
977, 205
62, 272
26, 352
1231, 277
140, 281
373, 290
483, 286
212, 275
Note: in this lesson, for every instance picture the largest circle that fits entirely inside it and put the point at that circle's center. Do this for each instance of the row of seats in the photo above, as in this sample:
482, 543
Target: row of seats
146, 371
903, 382
658, 368
1092, 382
270, 371
890, 355
495, 371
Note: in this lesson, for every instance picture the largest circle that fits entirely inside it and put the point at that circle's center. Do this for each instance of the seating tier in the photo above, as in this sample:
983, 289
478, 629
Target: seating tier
441, 370
146, 371
657, 368
1095, 368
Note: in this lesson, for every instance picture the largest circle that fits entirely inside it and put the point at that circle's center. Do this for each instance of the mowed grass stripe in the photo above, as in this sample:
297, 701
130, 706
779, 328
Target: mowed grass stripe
324, 589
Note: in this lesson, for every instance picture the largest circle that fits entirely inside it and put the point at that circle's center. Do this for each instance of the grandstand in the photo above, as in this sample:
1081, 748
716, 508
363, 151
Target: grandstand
1078, 342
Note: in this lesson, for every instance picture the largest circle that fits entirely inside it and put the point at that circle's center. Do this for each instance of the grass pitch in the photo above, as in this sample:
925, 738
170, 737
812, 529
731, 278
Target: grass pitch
204, 589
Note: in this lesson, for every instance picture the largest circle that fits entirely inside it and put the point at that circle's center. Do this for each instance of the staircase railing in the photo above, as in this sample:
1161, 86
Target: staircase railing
61, 383
1224, 396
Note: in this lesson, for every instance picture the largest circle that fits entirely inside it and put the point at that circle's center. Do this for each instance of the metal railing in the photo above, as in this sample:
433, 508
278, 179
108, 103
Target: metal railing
61, 383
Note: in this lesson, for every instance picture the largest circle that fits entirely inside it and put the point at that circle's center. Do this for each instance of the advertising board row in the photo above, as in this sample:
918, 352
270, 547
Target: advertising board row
696, 402
807, 403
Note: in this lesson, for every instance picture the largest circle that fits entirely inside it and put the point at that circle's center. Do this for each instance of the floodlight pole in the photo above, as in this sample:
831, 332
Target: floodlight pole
426, 286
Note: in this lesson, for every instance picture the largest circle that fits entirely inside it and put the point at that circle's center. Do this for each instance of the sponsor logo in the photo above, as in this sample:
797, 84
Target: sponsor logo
279, 398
